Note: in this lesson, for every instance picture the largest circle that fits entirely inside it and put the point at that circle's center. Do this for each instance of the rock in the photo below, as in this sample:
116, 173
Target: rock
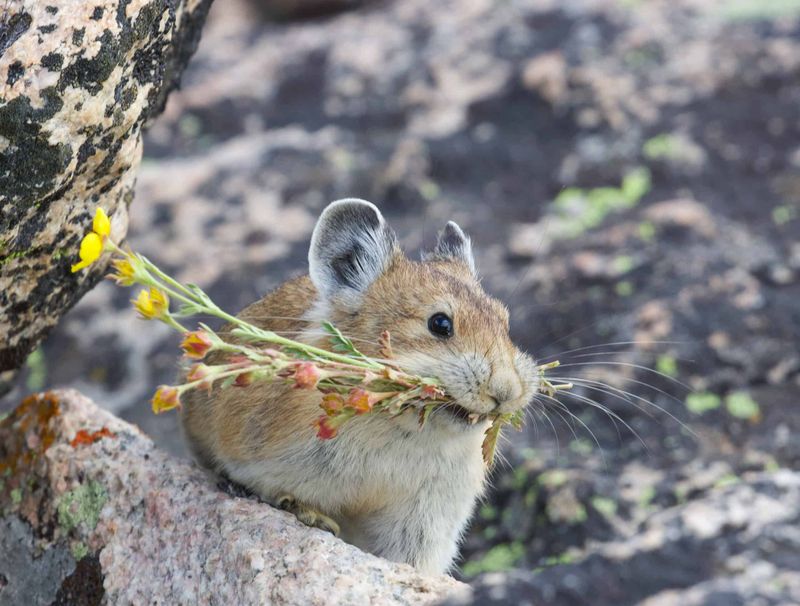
92, 511
79, 85
287, 10
739, 544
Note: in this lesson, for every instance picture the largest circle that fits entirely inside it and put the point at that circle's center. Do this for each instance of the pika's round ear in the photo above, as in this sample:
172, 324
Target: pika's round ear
453, 245
350, 247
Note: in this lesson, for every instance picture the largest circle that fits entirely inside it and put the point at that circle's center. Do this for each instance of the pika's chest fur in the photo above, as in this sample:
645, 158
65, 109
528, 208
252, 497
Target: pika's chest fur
370, 466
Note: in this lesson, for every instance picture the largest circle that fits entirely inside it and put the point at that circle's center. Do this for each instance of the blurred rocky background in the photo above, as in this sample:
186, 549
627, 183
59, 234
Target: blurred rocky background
630, 173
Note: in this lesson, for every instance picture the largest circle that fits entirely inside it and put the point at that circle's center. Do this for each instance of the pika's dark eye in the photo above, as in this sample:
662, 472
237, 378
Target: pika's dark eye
441, 325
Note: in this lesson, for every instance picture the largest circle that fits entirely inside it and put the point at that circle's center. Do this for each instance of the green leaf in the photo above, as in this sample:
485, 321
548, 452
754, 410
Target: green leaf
517, 420
490, 441
341, 344
186, 310
425, 413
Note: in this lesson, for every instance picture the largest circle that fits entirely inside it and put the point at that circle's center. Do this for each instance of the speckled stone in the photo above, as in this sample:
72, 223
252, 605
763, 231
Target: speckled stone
156, 530
78, 82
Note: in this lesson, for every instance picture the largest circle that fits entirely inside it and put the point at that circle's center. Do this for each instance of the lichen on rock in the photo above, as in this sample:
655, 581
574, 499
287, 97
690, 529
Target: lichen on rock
82, 506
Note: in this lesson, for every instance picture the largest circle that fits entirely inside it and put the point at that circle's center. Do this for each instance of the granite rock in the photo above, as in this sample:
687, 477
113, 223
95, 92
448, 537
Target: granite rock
91, 509
78, 84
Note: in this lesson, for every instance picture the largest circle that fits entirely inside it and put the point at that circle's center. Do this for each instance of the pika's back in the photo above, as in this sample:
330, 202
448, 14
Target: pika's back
285, 308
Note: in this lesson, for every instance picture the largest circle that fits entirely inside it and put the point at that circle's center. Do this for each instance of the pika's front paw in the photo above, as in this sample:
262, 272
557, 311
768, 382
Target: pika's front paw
307, 515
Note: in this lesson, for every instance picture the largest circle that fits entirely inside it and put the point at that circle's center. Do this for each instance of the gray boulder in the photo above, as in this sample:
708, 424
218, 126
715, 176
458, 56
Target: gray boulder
91, 512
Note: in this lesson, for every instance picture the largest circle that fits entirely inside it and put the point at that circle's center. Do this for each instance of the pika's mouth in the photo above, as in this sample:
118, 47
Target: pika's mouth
462, 415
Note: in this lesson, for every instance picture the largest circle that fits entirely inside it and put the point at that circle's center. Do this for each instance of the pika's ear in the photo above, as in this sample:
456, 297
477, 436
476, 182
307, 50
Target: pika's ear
350, 247
453, 245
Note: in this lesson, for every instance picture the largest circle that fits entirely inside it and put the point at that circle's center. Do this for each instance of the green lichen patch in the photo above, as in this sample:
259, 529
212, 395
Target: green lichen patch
82, 505
646, 496
783, 214
729, 479
667, 365
79, 550
703, 401
674, 148
499, 557
553, 478
575, 210
741, 405
604, 505
37, 370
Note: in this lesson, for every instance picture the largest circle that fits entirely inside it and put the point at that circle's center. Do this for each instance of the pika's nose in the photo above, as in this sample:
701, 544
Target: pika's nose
504, 386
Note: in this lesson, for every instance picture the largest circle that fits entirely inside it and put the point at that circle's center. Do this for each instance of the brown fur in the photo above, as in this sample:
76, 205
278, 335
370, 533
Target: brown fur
258, 421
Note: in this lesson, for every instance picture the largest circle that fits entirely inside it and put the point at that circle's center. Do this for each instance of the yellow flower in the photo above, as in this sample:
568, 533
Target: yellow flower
196, 344
126, 274
165, 398
101, 225
92, 243
151, 305
91, 249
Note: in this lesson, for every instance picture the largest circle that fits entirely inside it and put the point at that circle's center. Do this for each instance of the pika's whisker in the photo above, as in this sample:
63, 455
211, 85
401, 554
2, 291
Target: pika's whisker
584, 425
610, 413
615, 344
630, 365
619, 352
628, 394
550, 421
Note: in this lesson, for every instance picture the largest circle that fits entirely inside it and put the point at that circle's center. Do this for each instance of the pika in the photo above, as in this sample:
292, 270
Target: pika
384, 484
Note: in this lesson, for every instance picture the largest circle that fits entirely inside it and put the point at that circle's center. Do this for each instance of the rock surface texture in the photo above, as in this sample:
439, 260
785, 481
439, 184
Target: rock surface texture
737, 545
92, 513
78, 83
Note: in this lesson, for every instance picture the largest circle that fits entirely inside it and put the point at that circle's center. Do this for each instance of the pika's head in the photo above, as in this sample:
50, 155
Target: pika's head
441, 321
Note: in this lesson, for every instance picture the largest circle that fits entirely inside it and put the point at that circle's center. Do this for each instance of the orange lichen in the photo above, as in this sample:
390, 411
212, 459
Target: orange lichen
84, 437
26, 432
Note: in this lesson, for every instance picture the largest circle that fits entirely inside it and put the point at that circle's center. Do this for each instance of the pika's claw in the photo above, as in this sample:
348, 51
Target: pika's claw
307, 515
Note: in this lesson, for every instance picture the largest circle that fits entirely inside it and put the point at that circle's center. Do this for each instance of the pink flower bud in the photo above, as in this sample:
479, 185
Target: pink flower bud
243, 379
332, 403
306, 375
199, 372
359, 401
327, 427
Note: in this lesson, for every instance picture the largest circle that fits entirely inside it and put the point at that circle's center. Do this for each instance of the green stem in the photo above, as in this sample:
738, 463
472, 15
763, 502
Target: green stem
174, 289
